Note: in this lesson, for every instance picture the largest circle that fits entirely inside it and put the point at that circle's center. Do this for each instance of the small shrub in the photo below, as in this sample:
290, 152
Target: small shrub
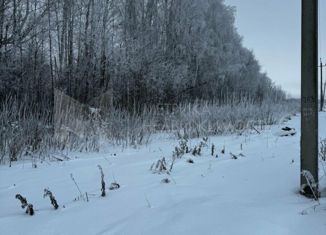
25, 204
196, 151
182, 149
160, 167
48, 193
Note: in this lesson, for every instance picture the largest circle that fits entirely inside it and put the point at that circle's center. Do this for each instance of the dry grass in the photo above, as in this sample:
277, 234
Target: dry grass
78, 127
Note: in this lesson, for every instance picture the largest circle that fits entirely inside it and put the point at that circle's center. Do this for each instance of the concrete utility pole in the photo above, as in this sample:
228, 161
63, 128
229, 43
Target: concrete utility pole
309, 95
322, 90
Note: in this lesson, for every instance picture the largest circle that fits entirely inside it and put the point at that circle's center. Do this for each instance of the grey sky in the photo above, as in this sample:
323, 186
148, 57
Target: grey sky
271, 28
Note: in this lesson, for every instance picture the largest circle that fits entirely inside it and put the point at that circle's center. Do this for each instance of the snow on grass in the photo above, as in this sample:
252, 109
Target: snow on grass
255, 194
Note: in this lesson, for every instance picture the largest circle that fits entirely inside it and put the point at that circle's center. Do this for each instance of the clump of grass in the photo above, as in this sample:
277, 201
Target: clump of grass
197, 149
183, 147
48, 193
160, 167
25, 204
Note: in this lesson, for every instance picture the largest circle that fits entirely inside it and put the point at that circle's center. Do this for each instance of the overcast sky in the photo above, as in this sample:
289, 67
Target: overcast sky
272, 29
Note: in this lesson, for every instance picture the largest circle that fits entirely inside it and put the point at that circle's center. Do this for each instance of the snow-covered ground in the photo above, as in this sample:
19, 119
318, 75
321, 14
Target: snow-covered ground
254, 194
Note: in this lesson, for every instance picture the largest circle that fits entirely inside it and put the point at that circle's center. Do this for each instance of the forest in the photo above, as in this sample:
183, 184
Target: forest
140, 51
126, 58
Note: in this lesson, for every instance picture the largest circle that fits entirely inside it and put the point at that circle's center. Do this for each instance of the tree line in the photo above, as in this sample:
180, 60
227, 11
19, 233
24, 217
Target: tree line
126, 53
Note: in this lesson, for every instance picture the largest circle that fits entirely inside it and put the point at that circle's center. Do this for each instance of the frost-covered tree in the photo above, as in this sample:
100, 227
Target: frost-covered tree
134, 51
119, 56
